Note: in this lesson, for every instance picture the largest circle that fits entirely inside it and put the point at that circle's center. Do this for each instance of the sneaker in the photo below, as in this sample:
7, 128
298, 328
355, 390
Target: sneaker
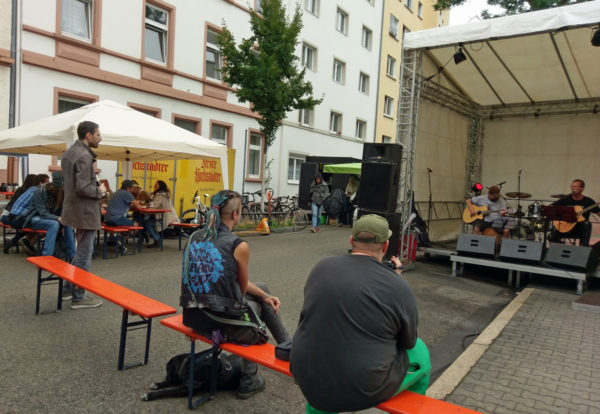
153, 245
24, 244
86, 302
67, 295
313, 229
250, 385
318, 229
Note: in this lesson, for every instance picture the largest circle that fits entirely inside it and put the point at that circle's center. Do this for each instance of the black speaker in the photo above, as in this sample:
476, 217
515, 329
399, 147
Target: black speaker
374, 151
308, 172
379, 186
395, 222
568, 256
521, 250
476, 245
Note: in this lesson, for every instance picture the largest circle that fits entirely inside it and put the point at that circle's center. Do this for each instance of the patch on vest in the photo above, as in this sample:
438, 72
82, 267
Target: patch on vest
205, 266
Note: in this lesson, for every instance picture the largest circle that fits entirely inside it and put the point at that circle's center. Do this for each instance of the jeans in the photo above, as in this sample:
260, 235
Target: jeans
149, 223
268, 315
51, 227
121, 221
83, 257
316, 213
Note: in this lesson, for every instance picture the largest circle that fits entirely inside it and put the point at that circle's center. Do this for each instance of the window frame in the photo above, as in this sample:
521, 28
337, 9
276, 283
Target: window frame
342, 20
342, 71
214, 48
388, 106
332, 116
148, 110
229, 127
305, 48
363, 128
386, 139
393, 61
365, 82
297, 168
167, 32
420, 10
393, 19
249, 177
315, 3
94, 21
302, 117
408, 4
369, 32
196, 121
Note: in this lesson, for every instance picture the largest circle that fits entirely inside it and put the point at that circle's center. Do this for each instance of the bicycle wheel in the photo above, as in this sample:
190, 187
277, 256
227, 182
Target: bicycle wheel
299, 219
189, 216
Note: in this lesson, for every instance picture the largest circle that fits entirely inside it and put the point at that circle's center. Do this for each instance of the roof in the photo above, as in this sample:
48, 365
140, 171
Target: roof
540, 56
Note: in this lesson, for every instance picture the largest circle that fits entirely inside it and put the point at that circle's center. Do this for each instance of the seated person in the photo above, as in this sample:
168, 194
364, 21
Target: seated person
356, 343
495, 219
216, 293
42, 219
161, 198
119, 205
31, 180
582, 230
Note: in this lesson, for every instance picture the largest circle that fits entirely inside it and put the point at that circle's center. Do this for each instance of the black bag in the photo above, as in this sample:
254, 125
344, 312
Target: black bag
229, 371
16, 222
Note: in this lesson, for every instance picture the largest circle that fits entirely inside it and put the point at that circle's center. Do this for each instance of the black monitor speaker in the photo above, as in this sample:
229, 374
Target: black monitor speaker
379, 186
395, 223
577, 258
308, 172
476, 245
521, 250
374, 151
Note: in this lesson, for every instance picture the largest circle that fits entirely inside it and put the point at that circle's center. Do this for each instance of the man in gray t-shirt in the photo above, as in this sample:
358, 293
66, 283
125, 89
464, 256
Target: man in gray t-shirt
357, 334
494, 216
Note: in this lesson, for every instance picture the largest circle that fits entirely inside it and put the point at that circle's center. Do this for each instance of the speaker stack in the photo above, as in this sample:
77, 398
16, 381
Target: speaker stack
476, 245
571, 257
379, 181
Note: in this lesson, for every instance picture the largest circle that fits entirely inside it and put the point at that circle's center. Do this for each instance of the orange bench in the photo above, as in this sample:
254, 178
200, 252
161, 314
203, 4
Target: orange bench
181, 226
406, 402
137, 234
144, 307
111, 230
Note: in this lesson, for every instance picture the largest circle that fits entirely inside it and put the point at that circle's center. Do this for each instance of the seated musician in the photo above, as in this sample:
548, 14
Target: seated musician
581, 230
494, 217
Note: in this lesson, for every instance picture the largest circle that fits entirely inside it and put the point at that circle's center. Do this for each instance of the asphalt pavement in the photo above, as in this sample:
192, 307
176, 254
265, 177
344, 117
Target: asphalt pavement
67, 361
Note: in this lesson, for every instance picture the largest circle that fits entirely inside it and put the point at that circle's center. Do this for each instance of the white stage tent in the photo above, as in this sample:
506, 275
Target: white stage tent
525, 103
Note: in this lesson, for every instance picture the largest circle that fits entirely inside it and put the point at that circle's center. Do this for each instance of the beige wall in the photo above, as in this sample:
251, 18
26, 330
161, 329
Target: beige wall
550, 151
5, 23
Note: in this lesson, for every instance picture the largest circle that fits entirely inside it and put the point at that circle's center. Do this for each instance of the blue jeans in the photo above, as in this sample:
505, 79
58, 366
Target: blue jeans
51, 227
316, 213
149, 223
121, 221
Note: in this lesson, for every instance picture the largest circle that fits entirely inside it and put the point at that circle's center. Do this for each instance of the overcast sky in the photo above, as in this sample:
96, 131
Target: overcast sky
469, 11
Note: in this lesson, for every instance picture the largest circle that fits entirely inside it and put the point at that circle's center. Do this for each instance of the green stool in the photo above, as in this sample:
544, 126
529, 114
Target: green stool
415, 380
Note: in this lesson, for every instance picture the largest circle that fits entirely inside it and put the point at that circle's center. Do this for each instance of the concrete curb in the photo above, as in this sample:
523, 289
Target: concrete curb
450, 379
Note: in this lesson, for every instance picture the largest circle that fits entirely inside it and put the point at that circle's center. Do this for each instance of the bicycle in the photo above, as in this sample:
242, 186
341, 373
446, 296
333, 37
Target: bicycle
198, 214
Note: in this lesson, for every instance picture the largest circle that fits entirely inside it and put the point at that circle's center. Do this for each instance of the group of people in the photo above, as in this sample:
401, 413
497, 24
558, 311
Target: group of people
503, 223
354, 300
341, 201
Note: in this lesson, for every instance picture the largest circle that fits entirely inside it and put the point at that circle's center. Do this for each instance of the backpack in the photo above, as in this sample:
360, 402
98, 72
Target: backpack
229, 371
334, 204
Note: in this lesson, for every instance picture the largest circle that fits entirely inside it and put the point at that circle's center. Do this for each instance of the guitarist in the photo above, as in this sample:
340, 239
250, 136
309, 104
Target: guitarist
493, 201
582, 229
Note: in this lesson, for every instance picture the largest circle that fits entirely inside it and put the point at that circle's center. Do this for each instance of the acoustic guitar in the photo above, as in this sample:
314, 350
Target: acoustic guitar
565, 226
480, 213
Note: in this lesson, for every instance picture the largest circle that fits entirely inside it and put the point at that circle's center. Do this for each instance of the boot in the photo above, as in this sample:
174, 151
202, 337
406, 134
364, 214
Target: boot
250, 382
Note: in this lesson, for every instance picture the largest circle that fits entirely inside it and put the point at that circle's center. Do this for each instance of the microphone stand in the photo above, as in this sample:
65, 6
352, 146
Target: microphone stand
519, 205
430, 201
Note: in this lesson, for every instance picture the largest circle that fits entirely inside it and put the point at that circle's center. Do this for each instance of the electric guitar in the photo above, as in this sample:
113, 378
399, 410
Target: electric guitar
480, 213
565, 226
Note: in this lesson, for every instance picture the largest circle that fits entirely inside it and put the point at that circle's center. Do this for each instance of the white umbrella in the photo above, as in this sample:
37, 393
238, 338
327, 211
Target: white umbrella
127, 135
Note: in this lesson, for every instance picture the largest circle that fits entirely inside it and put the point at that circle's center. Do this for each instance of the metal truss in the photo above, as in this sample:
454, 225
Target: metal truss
568, 107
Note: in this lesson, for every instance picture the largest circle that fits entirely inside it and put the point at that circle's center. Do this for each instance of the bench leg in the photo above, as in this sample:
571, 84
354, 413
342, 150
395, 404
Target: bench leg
125, 325
43, 281
453, 269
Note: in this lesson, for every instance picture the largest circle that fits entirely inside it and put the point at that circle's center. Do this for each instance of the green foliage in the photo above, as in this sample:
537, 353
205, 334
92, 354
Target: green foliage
263, 67
509, 6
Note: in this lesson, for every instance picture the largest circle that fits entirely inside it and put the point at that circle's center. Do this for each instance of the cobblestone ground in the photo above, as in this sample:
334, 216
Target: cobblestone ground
547, 360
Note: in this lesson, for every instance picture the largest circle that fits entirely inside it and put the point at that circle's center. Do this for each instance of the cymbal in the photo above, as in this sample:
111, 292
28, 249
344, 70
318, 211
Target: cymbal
516, 194
558, 195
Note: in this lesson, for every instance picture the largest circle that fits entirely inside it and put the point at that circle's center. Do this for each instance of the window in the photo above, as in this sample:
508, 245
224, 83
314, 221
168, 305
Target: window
367, 36
66, 103
386, 139
393, 26
157, 24
420, 10
405, 30
341, 21
214, 59
294, 166
309, 56
219, 133
391, 67
335, 123
363, 83
408, 4
312, 6
305, 117
76, 18
388, 106
255, 155
188, 124
339, 71
361, 129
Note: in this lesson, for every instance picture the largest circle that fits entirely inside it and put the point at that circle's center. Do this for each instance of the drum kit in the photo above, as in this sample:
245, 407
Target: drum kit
533, 223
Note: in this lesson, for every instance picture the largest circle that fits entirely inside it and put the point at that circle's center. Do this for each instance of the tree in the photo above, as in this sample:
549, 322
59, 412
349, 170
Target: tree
510, 6
263, 68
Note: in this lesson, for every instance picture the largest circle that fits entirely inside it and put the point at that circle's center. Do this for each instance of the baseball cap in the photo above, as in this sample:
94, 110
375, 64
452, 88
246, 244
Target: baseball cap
373, 224
129, 183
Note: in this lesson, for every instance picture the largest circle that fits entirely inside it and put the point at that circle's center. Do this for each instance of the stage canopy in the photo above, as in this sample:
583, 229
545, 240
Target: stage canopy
351, 168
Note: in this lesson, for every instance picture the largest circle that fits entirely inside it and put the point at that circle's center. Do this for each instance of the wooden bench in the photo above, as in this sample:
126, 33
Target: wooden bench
406, 402
117, 231
144, 307
6, 227
181, 226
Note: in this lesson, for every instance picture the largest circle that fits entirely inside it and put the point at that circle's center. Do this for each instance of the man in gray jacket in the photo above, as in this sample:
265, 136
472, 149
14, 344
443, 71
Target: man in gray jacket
81, 207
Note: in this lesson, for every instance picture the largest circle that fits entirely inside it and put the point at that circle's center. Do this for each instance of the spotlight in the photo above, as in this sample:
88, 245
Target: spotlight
459, 56
596, 38
477, 187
